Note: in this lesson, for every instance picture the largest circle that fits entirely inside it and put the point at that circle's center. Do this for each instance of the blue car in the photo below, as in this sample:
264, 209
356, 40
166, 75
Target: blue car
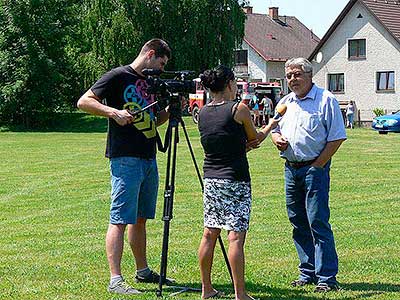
387, 123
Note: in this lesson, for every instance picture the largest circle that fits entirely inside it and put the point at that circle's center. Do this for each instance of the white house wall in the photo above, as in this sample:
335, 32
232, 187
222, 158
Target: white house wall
276, 70
382, 54
257, 65
261, 70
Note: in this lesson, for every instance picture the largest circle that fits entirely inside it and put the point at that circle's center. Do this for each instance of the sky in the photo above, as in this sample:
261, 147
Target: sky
317, 15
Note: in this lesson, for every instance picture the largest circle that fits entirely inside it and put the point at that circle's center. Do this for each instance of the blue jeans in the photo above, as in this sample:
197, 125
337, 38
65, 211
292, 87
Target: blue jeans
134, 187
350, 119
307, 197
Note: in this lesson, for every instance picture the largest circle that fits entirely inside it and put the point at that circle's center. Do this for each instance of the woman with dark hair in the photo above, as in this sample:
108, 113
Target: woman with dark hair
225, 128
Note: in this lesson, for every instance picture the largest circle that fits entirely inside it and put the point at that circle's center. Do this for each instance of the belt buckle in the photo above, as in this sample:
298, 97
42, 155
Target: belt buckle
300, 164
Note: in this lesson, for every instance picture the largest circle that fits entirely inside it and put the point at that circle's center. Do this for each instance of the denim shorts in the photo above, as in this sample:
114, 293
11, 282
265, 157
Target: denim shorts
134, 187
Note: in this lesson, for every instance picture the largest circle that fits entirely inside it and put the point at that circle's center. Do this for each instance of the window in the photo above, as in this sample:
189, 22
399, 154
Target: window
385, 81
241, 57
278, 80
356, 49
336, 83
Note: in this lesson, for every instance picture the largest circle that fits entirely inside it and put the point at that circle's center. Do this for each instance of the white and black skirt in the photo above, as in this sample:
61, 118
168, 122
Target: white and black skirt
227, 204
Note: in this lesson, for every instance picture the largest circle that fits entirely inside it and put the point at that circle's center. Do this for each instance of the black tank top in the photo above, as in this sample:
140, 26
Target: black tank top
224, 143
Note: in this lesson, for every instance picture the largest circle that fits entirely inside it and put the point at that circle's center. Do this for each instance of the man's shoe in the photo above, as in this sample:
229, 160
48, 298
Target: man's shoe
325, 287
122, 288
153, 277
300, 282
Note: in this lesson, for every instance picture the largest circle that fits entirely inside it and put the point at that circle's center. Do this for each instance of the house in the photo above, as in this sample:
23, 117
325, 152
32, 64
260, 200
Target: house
269, 41
359, 57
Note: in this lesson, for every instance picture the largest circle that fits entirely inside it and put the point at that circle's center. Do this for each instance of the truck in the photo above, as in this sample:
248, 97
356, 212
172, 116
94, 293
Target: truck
197, 100
202, 97
272, 90
246, 91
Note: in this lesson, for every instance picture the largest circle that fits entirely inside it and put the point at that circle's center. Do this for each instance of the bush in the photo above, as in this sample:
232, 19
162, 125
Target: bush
378, 112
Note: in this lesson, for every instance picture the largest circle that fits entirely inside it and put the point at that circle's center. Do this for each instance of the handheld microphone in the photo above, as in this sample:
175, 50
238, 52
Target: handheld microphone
280, 111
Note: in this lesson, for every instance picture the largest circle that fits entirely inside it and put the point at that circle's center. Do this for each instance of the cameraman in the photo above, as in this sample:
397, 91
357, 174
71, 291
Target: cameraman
131, 148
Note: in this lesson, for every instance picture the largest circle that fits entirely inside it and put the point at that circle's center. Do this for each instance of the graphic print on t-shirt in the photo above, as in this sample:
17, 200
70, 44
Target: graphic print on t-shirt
136, 98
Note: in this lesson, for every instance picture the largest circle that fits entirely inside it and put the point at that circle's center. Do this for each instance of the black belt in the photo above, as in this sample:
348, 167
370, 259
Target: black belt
299, 164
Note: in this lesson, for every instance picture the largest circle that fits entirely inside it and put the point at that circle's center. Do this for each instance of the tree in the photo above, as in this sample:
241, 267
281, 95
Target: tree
34, 74
202, 33
51, 51
108, 37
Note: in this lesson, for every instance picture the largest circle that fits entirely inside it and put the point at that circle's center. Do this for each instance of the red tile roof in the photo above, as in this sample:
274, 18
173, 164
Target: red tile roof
279, 40
387, 13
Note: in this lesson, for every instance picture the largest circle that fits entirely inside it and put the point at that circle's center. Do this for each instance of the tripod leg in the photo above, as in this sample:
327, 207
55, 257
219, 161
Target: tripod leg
168, 201
221, 243
228, 266
164, 256
192, 154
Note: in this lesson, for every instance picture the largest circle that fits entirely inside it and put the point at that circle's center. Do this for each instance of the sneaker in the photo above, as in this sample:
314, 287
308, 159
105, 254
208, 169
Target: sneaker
325, 287
153, 277
121, 287
300, 282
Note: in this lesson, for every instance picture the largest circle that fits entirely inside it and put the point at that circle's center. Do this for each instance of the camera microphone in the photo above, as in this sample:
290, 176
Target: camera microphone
152, 72
280, 111
158, 72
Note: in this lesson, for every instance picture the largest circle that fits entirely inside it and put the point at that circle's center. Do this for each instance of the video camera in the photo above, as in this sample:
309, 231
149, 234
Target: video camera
178, 84
168, 90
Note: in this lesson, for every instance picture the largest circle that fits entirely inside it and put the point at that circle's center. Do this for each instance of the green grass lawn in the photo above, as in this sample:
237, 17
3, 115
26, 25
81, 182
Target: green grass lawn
54, 206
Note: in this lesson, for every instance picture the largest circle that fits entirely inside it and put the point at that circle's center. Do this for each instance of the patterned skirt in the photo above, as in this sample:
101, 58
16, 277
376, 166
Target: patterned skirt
227, 204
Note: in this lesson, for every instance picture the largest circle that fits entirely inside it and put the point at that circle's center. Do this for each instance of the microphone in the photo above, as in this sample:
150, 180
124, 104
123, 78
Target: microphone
280, 111
158, 72
152, 72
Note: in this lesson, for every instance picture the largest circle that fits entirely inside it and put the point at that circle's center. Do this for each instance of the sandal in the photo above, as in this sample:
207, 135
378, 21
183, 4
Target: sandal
217, 294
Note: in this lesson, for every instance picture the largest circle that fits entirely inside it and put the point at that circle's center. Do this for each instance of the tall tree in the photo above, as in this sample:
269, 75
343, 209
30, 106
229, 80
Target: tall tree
53, 50
33, 74
108, 37
201, 33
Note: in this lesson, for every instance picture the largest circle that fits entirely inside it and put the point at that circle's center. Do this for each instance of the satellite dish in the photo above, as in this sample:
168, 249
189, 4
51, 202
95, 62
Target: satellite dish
318, 57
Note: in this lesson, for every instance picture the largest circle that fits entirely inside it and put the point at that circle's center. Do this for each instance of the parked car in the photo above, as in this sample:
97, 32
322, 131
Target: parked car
387, 123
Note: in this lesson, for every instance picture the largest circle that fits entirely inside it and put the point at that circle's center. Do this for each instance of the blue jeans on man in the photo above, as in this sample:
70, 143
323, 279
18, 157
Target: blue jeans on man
134, 188
307, 203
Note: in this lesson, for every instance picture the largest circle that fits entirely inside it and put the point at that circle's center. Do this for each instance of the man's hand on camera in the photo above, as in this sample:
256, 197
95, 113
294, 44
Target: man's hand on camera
122, 117
184, 102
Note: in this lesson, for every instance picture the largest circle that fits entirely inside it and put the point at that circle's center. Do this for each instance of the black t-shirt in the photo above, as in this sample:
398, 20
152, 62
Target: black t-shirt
123, 88
224, 143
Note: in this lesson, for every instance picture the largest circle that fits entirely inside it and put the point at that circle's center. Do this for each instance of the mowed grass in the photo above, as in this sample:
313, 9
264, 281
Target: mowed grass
54, 206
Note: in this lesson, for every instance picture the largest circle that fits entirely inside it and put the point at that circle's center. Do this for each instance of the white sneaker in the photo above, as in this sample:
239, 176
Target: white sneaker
121, 287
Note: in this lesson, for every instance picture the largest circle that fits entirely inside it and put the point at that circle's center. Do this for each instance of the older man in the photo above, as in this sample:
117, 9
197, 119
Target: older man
308, 136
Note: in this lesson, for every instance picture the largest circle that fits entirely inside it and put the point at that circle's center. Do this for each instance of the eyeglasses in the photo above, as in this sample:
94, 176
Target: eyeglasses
295, 74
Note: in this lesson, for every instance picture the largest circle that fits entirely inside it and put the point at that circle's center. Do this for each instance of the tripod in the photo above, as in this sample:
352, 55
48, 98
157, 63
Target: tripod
170, 143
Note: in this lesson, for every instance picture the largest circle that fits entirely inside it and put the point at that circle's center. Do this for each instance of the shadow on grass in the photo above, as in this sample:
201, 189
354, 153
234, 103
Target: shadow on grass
262, 292
61, 122
65, 122
377, 287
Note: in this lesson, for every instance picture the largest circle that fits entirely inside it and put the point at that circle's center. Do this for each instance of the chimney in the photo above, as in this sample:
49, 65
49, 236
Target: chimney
248, 10
273, 13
